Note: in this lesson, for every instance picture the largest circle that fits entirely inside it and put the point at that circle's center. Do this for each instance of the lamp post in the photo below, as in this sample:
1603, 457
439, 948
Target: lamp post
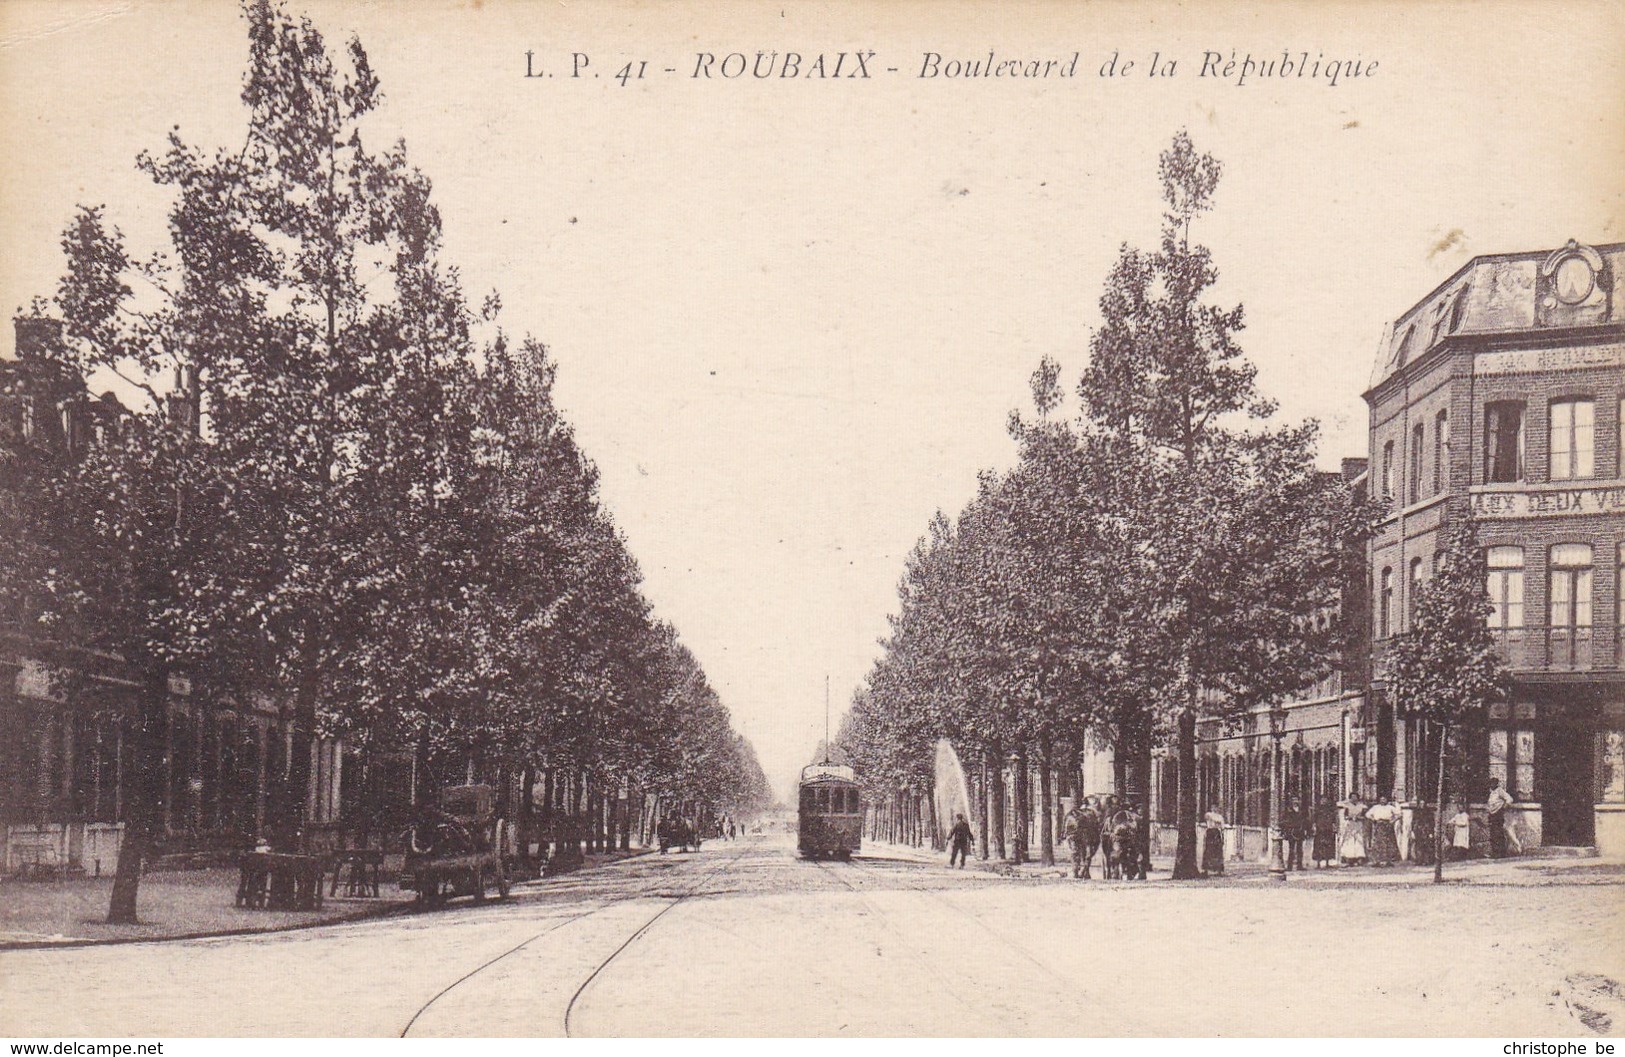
1277, 729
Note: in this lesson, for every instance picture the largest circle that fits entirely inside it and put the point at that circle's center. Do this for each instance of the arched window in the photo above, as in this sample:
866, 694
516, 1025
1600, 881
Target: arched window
1572, 454
1505, 586
1385, 605
1388, 471
1503, 441
1418, 440
1441, 451
1569, 597
1413, 591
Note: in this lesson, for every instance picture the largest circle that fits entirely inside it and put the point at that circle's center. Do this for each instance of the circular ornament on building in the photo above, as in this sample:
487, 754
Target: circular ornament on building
1574, 279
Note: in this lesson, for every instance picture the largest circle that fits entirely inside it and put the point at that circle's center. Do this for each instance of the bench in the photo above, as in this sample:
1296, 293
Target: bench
278, 881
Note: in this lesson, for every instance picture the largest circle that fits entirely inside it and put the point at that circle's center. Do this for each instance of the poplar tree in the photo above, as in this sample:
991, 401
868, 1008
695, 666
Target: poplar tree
1228, 513
1445, 669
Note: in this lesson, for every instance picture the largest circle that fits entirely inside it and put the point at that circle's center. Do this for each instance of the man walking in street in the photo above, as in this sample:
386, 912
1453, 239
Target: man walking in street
1497, 803
959, 839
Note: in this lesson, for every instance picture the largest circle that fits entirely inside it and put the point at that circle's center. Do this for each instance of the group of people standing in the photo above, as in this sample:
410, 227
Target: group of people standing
1348, 832
1096, 825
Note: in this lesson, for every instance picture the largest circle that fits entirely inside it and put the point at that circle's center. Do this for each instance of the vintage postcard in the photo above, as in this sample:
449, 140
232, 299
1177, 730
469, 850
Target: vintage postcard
812, 519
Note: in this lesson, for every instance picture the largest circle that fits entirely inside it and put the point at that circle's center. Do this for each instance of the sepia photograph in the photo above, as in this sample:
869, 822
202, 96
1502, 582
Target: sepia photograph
812, 519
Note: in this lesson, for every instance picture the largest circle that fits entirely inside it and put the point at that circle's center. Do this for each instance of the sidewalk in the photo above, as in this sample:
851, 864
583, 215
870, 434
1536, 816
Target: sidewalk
185, 904
1533, 869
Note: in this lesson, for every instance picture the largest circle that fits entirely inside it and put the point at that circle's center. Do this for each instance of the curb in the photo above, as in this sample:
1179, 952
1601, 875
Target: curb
401, 908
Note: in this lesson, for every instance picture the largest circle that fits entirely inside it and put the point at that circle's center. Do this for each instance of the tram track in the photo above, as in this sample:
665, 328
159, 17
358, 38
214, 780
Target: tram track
639, 933
652, 889
1067, 983
931, 969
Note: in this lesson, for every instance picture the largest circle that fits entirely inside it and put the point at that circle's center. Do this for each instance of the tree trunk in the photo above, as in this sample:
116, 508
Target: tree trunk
527, 807
1023, 808
1185, 858
999, 845
1438, 810
1046, 801
143, 798
981, 812
933, 825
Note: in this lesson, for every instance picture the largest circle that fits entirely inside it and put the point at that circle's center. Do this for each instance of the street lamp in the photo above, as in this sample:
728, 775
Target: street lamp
1277, 729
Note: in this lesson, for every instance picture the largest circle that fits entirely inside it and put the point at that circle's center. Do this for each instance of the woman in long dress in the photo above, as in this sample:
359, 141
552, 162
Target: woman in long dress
1384, 843
1351, 843
1325, 847
1213, 841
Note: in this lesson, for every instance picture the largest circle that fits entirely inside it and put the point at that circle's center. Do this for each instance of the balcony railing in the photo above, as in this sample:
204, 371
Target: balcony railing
1565, 649
1520, 647
1569, 649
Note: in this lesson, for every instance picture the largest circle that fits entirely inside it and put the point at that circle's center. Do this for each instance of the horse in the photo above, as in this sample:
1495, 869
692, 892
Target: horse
1126, 848
1083, 829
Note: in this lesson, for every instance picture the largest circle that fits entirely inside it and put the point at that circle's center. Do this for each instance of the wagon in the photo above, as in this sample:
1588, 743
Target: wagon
454, 848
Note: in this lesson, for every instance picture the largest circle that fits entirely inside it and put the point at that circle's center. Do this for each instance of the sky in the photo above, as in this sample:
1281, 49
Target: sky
791, 315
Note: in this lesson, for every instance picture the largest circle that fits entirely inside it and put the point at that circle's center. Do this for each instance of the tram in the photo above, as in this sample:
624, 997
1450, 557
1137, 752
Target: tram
830, 824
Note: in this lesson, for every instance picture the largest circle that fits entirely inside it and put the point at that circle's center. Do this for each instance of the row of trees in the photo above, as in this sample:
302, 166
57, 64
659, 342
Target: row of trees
1166, 551
343, 483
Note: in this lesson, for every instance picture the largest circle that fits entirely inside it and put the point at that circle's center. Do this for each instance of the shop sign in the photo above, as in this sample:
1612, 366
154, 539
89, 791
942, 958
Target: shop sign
1560, 501
1535, 361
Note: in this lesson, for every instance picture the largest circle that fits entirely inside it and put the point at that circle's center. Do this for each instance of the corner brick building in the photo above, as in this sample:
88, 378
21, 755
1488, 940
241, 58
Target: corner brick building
1502, 392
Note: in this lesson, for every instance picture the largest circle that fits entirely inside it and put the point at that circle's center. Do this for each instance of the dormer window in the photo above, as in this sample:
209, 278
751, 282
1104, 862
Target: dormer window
1404, 352
1458, 308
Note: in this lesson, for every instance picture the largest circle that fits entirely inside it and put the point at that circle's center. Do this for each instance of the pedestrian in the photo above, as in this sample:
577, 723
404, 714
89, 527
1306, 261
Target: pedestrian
1213, 842
1384, 845
1293, 827
1351, 842
663, 832
1461, 841
959, 839
1324, 851
1497, 803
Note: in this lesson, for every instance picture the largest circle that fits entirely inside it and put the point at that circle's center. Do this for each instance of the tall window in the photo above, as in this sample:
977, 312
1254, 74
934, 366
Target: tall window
1385, 610
1388, 471
1506, 586
1418, 439
1570, 598
1441, 450
1571, 447
1413, 592
1503, 441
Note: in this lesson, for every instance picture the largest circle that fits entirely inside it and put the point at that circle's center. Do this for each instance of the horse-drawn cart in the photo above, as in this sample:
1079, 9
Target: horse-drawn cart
455, 848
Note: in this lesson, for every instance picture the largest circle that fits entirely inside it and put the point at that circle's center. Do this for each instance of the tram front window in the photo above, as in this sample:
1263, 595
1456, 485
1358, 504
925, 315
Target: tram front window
809, 798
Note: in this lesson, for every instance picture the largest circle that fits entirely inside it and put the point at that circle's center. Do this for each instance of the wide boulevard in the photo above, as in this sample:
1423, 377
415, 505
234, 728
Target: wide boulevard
744, 938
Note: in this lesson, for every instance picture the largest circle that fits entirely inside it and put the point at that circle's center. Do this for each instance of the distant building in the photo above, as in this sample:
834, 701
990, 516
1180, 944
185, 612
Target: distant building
1502, 391
63, 750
